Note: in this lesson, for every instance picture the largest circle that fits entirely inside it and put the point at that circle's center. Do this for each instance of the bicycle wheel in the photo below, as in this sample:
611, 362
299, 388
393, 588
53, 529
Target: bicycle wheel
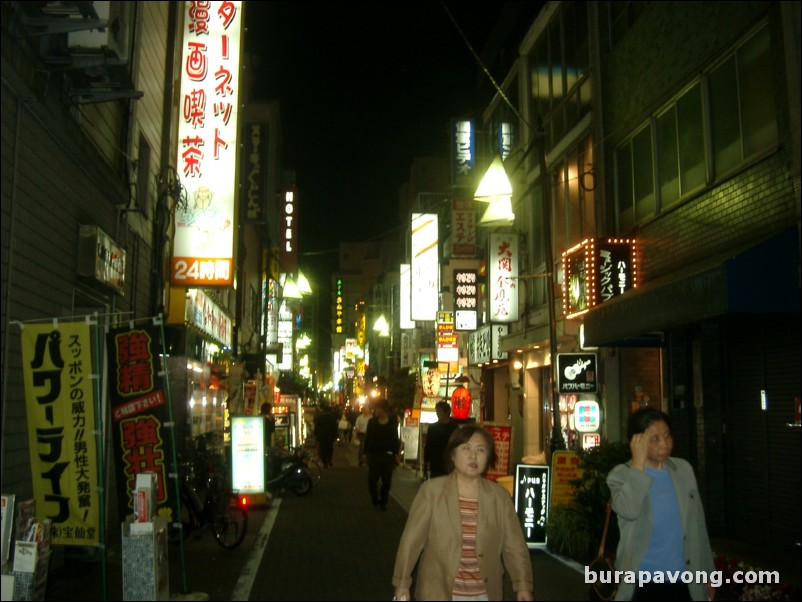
230, 522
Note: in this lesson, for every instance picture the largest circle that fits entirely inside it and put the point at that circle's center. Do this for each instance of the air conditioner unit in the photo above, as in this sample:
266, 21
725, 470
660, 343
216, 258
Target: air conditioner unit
113, 38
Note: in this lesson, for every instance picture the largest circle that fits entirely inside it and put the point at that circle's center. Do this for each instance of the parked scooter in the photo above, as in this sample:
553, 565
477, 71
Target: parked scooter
286, 471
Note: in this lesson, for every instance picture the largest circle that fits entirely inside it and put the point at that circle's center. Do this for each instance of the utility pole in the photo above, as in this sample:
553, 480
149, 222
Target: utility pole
557, 440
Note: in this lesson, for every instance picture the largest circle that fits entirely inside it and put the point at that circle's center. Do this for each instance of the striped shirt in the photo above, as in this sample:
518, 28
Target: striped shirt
469, 581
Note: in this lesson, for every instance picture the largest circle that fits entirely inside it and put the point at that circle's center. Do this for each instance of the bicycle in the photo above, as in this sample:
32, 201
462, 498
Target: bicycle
213, 506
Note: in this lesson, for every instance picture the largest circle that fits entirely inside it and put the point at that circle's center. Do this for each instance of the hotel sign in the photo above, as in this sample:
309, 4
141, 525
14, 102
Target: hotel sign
595, 271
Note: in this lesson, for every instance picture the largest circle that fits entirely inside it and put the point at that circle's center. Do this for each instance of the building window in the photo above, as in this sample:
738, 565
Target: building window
744, 119
671, 147
680, 147
560, 90
573, 198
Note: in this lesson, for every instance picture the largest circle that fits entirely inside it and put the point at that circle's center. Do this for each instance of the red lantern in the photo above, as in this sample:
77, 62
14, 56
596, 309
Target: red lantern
461, 403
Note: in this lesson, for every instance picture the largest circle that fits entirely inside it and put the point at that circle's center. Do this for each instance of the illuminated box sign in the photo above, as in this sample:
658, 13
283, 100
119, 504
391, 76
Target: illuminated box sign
595, 271
338, 308
587, 416
576, 373
503, 278
206, 157
248, 454
288, 231
447, 342
505, 139
405, 321
484, 344
532, 502
463, 228
466, 299
203, 313
425, 267
99, 257
463, 152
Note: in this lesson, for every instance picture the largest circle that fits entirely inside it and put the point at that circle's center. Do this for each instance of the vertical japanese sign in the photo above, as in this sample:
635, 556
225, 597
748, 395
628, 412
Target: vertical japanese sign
463, 152
139, 413
466, 299
503, 280
463, 228
59, 399
203, 252
565, 465
532, 502
502, 438
254, 173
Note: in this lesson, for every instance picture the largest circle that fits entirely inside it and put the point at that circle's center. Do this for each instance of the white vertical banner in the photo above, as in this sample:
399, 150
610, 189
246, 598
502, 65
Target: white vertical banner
206, 156
425, 268
405, 291
503, 277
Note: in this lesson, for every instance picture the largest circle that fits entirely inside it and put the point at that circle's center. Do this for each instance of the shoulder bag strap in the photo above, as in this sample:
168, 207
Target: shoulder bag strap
606, 526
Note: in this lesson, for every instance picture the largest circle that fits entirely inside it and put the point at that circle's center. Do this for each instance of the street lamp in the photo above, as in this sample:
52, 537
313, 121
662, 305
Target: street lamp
495, 188
381, 326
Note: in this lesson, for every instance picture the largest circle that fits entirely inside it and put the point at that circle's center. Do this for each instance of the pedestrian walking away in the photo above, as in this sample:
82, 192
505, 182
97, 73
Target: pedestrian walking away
326, 434
660, 515
381, 448
462, 531
436, 441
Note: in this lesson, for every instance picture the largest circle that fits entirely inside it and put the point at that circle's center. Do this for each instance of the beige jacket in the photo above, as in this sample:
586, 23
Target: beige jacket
433, 535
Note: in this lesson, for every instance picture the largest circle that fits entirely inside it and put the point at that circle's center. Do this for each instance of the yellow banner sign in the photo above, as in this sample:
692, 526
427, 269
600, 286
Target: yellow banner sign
60, 403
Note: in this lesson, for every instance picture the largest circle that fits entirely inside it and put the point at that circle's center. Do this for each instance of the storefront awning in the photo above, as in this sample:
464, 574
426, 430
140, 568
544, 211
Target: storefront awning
761, 279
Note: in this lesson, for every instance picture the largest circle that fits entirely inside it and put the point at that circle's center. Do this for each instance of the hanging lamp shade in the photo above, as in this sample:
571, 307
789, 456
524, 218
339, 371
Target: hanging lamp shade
461, 403
431, 382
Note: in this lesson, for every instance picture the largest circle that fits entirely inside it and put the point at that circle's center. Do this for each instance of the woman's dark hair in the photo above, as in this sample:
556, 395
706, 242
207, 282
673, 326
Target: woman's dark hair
463, 435
643, 419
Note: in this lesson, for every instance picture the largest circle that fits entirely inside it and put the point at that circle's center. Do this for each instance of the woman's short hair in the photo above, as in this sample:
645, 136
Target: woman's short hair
643, 419
462, 435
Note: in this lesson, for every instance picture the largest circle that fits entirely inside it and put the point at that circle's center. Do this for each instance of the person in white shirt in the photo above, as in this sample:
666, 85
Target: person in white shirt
360, 428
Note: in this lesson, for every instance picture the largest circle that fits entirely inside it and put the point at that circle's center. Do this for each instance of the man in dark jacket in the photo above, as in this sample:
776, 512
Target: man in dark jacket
437, 439
326, 434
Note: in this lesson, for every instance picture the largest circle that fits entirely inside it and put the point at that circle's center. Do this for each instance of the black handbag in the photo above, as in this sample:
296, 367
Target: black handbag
598, 591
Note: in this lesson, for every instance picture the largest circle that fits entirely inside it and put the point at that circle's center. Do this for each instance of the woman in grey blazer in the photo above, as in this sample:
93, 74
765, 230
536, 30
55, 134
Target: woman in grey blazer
660, 516
462, 531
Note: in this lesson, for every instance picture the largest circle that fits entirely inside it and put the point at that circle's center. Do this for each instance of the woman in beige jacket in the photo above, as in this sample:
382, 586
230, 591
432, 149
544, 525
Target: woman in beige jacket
464, 531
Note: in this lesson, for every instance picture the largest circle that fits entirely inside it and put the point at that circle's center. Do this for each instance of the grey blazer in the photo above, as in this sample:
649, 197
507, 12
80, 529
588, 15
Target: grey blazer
629, 488
433, 535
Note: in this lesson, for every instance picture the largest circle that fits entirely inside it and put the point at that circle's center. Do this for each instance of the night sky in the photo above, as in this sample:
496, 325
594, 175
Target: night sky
364, 87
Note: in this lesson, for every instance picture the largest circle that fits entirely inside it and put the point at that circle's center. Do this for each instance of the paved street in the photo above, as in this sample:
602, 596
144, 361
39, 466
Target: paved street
329, 545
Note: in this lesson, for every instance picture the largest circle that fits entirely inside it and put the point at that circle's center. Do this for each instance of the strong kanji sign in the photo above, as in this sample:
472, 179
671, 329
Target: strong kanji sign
139, 413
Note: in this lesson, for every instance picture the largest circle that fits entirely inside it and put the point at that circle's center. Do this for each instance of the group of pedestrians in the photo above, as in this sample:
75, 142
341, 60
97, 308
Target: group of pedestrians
462, 532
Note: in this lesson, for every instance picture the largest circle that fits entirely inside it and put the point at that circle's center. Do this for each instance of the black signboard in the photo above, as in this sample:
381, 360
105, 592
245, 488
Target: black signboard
576, 373
532, 502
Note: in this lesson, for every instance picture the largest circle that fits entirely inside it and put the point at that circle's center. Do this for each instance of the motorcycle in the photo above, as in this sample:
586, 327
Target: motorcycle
286, 470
